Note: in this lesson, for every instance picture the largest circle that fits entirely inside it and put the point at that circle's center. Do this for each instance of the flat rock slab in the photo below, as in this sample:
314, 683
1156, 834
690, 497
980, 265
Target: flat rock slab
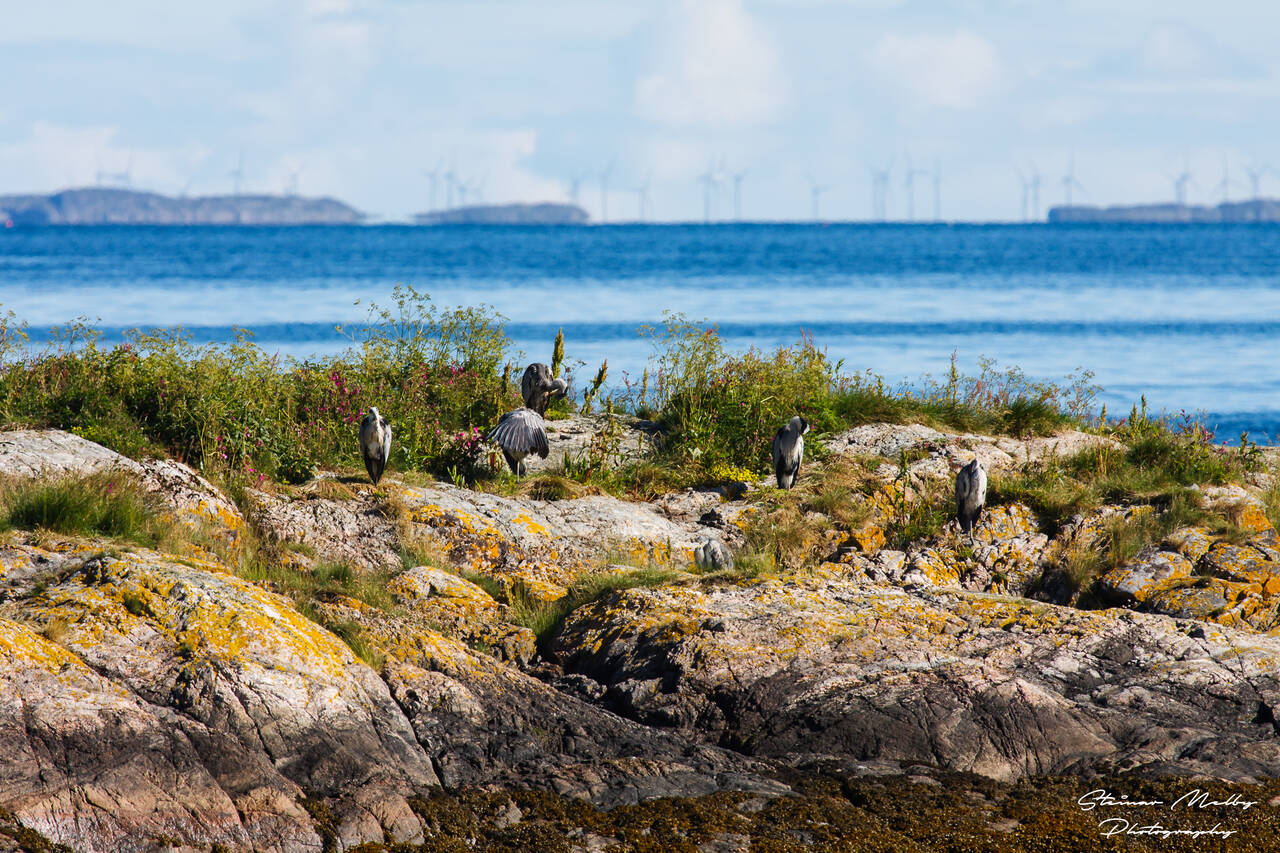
550, 542
829, 668
947, 450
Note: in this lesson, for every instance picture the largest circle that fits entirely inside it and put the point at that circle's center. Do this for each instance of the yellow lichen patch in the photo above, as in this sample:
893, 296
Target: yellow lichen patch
520, 585
21, 647
529, 524
869, 538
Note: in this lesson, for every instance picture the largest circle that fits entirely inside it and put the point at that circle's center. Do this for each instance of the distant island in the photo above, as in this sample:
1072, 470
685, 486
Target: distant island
542, 213
1253, 210
112, 206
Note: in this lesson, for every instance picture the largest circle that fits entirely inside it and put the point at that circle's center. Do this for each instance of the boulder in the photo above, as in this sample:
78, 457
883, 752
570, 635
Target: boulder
197, 676
826, 668
52, 453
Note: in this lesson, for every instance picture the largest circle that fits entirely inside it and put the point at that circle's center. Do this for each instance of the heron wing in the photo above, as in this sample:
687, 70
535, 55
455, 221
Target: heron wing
521, 431
368, 436
386, 439
787, 449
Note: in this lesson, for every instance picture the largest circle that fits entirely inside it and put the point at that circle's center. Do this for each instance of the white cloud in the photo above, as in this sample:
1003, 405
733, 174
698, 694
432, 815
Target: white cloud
715, 66
955, 71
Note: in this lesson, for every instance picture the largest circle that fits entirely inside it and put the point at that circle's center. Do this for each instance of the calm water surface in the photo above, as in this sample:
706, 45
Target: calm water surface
1186, 315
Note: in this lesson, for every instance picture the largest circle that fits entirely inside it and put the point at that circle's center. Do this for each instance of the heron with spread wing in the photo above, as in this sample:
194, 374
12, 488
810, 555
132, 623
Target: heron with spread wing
520, 433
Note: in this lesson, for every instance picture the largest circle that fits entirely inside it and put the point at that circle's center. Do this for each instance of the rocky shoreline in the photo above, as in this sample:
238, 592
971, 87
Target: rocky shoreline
171, 701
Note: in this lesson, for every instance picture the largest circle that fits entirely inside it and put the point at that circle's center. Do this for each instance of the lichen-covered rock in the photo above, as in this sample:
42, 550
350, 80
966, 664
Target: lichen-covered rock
1240, 506
935, 454
827, 668
608, 441
261, 706
1153, 571
463, 610
1007, 554
548, 542
52, 453
357, 532
484, 723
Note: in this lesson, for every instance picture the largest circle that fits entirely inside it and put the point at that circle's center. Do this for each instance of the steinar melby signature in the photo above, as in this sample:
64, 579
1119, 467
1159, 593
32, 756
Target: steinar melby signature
1191, 801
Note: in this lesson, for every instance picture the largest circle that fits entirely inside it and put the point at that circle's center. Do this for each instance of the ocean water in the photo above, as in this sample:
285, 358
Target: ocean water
1187, 315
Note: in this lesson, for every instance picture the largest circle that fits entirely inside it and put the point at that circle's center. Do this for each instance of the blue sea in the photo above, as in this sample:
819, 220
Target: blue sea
1186, 315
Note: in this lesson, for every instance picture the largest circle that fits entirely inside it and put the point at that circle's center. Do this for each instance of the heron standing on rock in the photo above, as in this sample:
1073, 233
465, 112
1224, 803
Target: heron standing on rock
788, 451
971, 495
375, 443
539, 388
519, 433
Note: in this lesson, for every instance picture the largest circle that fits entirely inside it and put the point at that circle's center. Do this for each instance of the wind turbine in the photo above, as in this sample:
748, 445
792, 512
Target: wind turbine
604, 192
1026, 193
433, 175
237, 174
1255, 174
1035, 193
1223, 188
1180, 182
880, 191
710, 181
124, 178
909, 183
1069, 181
737, 194
450, 184
815, 194
291, 182
937, 190
642, 199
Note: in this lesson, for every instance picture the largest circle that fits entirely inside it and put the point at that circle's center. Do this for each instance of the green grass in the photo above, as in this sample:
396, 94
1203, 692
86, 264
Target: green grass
110, 505
544, 618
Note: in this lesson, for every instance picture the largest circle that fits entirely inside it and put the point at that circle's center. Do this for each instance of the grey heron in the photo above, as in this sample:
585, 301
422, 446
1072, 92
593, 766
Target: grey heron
971, 494
375, 443
788, 451
712, 555
520, 432
539, 388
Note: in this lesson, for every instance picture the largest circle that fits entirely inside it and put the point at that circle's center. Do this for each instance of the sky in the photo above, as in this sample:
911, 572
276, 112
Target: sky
522, 101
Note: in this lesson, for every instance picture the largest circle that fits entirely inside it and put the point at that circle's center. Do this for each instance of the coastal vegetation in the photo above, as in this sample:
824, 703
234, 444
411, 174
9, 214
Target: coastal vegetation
443, 376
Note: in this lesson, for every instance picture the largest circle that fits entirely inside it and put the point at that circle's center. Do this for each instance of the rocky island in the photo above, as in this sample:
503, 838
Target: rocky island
1251, 210
112, 206
540, 213
170, 698
266, 652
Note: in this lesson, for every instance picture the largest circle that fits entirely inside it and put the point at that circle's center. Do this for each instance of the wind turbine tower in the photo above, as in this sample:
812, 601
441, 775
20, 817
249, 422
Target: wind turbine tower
1223, 188
937, 190
1069, 181
1026, 193
642, 200
1035, 193
433, 175
604, 192
1255, 174
237, 174
1180, 182
737, 194
909, 185
880, 192
815, 195
710, 181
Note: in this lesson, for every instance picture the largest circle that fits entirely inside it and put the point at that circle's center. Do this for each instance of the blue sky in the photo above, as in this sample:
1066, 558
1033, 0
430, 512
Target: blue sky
360, 99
